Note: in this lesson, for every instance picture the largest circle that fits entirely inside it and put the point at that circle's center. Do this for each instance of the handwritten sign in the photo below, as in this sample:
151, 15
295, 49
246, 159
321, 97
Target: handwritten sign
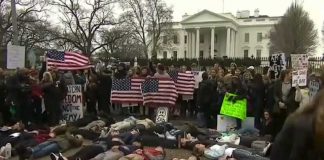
15, 56
278, 63
72, 106
299, 78
162, 114
235, 108
299, 61
314, 87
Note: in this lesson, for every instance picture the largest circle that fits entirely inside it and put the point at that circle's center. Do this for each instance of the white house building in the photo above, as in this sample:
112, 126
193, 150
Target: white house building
207, 34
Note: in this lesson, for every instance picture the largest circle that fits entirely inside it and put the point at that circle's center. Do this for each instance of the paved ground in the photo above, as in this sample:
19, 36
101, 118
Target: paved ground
170, 153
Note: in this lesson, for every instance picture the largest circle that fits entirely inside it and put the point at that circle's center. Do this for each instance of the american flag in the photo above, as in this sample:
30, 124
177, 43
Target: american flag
185, 83
67, 60
159, 92
127, 91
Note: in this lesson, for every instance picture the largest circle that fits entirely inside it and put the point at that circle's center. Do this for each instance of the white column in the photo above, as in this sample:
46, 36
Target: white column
212, 43
193, 45
188, 44
228, 41
197, 42
232, 43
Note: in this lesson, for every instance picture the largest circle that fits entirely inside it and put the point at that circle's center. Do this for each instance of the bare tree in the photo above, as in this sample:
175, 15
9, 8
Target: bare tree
148, 20
295, 33
82, 21
28, 15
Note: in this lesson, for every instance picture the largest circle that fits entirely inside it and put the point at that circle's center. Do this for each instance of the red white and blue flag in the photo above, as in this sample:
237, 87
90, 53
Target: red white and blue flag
127, 91
185, 83
67, 60
159, 92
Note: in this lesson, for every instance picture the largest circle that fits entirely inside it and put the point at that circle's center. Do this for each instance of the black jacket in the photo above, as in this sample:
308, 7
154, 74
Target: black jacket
296, 139
207, 92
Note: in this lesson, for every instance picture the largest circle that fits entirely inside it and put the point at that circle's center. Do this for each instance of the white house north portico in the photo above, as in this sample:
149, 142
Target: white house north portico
208, 35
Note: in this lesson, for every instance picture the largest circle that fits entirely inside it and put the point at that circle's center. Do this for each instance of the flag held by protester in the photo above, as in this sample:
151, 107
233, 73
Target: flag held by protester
67, 60
127, 91
159, 92
185, 83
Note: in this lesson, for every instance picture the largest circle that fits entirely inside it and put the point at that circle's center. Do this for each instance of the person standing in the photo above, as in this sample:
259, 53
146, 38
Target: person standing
205, 94
104, 90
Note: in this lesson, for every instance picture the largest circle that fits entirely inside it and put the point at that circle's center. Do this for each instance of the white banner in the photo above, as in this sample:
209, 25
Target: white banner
299, 77
162, 115
299, 61
15, 56
72, 106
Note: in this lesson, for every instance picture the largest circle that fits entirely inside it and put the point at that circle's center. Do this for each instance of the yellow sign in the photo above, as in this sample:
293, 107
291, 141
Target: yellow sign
233, 108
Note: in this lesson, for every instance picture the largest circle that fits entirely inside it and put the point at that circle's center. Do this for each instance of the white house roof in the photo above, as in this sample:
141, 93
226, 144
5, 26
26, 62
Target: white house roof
206, 16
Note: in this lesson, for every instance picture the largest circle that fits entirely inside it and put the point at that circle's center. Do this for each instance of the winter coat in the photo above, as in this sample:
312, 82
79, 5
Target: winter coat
67, 141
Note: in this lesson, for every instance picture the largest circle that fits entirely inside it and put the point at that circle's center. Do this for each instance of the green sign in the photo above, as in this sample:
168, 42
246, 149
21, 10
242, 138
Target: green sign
235, 108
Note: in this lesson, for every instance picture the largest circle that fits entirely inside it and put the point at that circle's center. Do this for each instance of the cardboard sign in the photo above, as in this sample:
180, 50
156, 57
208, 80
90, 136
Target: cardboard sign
237, 109
198, 78
314, 87
162, 114
278, 63
299, 77
72, 106
15, 57
299, 61
225, 123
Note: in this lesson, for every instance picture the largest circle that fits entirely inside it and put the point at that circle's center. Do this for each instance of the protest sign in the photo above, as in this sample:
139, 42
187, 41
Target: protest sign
233, 108
162, 114
313, 88
278, 63
299, 61
299, 78
198, 78
15, 56
225, 123
72, 106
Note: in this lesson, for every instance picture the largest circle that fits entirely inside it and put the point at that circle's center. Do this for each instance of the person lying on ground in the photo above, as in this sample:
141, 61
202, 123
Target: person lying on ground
56, 144
154, 153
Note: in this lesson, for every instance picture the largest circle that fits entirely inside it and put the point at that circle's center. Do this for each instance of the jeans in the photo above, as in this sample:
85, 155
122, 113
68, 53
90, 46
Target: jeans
45, 148
246, 155
88, 152
109, 155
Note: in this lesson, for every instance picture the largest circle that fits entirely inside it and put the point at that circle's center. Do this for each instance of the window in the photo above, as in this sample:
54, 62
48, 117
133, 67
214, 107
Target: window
246, 37
175, 39
165, 55
258, 53
246, 53
175, 54
165, 41
185, 39
185, 54
259, 37
201, 54
201, 39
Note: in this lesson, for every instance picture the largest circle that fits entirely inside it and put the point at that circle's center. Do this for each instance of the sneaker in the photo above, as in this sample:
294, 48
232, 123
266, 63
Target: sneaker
61, 157
54, 156
265, 150
7, 151
169, 136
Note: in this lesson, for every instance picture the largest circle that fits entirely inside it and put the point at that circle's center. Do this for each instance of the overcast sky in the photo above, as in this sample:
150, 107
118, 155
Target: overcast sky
266, 7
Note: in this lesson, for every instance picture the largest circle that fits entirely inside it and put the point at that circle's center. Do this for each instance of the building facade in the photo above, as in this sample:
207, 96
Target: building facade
208, 35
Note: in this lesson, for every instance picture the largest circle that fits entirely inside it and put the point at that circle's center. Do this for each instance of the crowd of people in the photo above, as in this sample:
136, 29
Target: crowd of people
287, 121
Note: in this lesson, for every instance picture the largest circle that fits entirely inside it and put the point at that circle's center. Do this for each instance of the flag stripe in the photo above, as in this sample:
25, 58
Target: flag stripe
185, 83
